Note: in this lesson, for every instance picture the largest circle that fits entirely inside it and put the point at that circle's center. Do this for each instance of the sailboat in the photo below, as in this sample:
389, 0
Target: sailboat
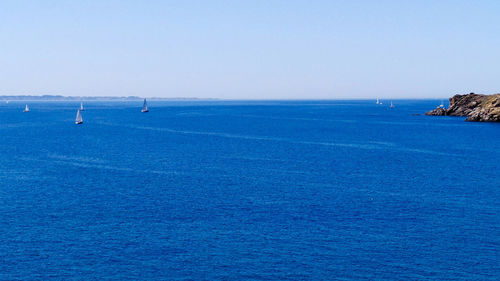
378, 102
26, 109
145, 106
81, 106
442, 104
392, 105
79, 119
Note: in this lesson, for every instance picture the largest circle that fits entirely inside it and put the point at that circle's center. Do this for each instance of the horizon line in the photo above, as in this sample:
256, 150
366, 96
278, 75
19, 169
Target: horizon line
133, 98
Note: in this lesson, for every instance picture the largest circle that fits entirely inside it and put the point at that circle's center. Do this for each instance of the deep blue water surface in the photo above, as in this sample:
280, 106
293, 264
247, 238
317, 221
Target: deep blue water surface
312, 190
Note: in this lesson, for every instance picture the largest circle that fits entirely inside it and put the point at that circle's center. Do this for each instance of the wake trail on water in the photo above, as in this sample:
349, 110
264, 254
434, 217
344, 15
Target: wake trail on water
94, 165
339, 120
76, 158
366, 146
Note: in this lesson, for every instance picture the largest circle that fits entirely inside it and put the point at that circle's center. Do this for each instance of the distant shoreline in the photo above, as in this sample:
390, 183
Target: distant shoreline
136, 98
90, 98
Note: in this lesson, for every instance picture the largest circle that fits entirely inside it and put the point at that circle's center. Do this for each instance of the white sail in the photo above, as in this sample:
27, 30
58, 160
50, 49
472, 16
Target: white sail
378, 102
81, 106
79, 119
145, 106
26, 109
392, 105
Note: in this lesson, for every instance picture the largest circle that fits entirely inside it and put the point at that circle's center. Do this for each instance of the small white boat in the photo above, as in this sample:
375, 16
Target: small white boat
81, 106
145, 106
26, 109
392, 105
442, 104
378, 102
79, 119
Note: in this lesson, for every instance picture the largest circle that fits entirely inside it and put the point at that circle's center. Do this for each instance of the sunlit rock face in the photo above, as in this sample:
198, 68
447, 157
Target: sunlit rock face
478, 108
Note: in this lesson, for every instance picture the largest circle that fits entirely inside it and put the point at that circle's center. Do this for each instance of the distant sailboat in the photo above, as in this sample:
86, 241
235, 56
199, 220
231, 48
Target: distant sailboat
26, 109
145, 106
392, 105
81, 106
79, 119
378, 102
442, 104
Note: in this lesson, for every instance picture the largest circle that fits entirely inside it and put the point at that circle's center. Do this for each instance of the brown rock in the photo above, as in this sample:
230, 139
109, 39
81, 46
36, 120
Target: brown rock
439, 111
479, 108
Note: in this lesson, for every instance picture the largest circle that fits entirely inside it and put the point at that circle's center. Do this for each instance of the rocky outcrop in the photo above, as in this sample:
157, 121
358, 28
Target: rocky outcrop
439, 111
479, 108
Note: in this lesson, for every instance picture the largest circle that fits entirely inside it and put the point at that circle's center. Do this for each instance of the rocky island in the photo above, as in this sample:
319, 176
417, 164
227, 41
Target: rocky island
478, 108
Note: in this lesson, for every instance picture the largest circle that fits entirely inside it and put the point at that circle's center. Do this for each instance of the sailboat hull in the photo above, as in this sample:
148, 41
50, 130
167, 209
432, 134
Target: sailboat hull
144, 110
78, 122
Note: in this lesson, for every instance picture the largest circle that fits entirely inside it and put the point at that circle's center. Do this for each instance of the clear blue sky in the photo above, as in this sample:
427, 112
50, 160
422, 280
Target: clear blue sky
250, 49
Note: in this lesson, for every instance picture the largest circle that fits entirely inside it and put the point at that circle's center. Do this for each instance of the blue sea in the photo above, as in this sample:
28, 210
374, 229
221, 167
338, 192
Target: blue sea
247, 190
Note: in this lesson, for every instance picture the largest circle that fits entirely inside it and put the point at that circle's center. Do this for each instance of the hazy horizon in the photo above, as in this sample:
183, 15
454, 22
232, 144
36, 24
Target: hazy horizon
40, 97
249, 50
